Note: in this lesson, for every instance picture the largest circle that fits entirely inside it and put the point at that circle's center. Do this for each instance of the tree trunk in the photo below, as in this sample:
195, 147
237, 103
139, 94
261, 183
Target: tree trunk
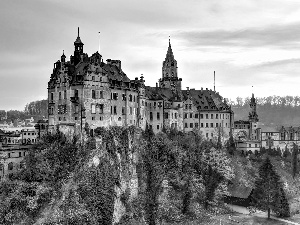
269, 213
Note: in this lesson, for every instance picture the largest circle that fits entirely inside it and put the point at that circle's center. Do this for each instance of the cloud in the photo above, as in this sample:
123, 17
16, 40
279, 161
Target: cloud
281, 36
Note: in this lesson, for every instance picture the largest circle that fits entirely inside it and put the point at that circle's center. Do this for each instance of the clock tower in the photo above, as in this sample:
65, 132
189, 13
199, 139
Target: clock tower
169, 72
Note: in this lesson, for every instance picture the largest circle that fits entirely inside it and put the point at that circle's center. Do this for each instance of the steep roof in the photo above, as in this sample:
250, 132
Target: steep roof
206, 99
202, 99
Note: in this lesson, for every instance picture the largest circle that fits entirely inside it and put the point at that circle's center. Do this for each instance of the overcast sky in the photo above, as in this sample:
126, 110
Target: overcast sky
247, 42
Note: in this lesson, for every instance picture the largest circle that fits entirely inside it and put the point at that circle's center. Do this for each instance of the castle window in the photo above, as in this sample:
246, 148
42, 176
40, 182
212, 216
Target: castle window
212, 116
93, 118
196, 125
206, 116
158, 116
134, 98
186, 106
51, 96
10, 166
201, 124
115, 109
76, 93
211, 125
175, 115
93, 94
157, 127
191, 115
93, 78
151, 116
65, 94
196, 115
223, 116
185, 125
59, 119
166, 115
207, 135
115, 96
217, 124
123, 97
101, 107
217, 116
130, 98
123, 110
101, 94
101, 118
130, 108
206, 125
93, 108
59, 95
190, 106
142, 103
191, 125
201, 116
185, 115
146, 103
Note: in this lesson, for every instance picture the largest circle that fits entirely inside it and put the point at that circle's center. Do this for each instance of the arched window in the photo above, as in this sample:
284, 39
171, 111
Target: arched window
10, 166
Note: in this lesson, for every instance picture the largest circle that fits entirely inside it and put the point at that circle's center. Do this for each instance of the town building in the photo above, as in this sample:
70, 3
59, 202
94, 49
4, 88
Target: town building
12, 151
87, 90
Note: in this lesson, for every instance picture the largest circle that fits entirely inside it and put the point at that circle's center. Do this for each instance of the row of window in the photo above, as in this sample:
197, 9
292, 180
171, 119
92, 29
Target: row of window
212, 116
9, 155
202, 125
115, 96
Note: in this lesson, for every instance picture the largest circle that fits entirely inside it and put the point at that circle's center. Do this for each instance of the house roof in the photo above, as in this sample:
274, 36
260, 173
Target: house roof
242, 122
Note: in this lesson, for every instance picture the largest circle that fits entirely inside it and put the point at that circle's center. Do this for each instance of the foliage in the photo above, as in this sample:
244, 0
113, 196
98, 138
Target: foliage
295, 160
268, 193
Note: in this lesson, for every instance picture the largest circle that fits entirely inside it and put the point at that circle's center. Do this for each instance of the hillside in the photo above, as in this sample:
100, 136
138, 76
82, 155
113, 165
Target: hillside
273, 111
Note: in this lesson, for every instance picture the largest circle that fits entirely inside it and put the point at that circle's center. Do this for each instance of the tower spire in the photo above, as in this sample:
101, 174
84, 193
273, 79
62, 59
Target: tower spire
78, 32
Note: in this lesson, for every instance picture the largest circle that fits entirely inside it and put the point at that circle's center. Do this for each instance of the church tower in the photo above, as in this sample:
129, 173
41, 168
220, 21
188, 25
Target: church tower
78, 49
169, 72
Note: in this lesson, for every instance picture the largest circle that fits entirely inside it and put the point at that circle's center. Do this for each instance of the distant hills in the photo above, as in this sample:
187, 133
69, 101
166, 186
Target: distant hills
273, 111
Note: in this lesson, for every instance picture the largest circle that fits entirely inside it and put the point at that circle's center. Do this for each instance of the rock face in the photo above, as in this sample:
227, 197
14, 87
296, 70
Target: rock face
128, 189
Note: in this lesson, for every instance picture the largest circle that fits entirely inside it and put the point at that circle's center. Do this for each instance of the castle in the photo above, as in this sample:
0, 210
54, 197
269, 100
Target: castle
87, 90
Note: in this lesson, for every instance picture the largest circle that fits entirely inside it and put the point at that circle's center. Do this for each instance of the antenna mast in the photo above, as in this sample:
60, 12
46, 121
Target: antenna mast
99, 41
214, 80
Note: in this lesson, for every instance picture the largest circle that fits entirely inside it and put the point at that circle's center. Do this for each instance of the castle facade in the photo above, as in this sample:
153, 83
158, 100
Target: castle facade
87, 90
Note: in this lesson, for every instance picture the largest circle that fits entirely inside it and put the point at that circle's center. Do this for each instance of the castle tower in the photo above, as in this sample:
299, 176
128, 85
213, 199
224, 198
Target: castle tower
78, 49
253, 117
169, 71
